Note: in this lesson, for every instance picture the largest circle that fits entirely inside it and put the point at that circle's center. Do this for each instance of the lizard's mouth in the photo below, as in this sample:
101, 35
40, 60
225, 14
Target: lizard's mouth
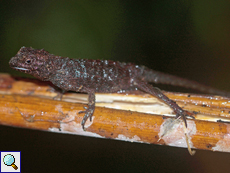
20, 68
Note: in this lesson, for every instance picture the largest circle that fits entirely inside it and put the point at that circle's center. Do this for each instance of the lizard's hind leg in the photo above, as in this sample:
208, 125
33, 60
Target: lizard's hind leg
180, 113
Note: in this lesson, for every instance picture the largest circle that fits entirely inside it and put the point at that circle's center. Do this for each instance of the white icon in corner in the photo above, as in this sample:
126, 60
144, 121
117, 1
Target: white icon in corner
10, 161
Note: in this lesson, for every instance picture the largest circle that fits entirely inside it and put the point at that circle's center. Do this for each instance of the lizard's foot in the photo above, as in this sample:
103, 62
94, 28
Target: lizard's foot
88, 114
184, 114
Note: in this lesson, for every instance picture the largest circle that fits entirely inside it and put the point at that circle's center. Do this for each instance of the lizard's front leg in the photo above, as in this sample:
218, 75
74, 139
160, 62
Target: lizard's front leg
90, 109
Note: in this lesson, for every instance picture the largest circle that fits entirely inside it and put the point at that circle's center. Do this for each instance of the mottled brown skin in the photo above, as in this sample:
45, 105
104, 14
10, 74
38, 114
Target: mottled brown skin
90, 76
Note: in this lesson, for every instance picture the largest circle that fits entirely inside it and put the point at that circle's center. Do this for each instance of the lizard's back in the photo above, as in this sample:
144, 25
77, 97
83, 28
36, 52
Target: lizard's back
99, 75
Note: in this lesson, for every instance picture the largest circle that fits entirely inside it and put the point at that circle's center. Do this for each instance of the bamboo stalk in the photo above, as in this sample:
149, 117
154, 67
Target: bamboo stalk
29, 103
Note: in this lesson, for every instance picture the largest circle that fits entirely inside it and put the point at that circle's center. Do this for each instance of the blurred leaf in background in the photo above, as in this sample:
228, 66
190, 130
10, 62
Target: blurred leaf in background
186, 38
75, 29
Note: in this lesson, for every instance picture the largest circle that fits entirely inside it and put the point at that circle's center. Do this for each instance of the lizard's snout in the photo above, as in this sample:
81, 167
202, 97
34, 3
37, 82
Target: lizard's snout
12, 62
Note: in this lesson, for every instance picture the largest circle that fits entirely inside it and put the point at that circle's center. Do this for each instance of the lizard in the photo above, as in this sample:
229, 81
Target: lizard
103, 76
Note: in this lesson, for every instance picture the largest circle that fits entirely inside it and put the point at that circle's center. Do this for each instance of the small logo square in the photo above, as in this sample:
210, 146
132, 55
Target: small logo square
10, 161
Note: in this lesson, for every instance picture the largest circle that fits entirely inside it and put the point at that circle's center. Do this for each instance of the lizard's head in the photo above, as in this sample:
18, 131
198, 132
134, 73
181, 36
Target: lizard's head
33, 61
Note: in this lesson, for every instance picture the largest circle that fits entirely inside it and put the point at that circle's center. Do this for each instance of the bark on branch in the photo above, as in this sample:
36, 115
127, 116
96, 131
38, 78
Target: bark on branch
136, 117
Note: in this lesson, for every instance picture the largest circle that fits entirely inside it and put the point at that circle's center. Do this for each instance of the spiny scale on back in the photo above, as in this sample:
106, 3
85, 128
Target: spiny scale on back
90, 76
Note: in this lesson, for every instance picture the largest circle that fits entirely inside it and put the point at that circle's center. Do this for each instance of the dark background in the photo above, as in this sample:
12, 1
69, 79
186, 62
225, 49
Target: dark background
185, 38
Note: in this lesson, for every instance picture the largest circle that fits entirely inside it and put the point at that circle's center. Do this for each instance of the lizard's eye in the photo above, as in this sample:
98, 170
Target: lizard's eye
28, 61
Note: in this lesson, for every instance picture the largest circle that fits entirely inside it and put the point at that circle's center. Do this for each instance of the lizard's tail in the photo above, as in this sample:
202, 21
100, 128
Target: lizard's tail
163, 78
